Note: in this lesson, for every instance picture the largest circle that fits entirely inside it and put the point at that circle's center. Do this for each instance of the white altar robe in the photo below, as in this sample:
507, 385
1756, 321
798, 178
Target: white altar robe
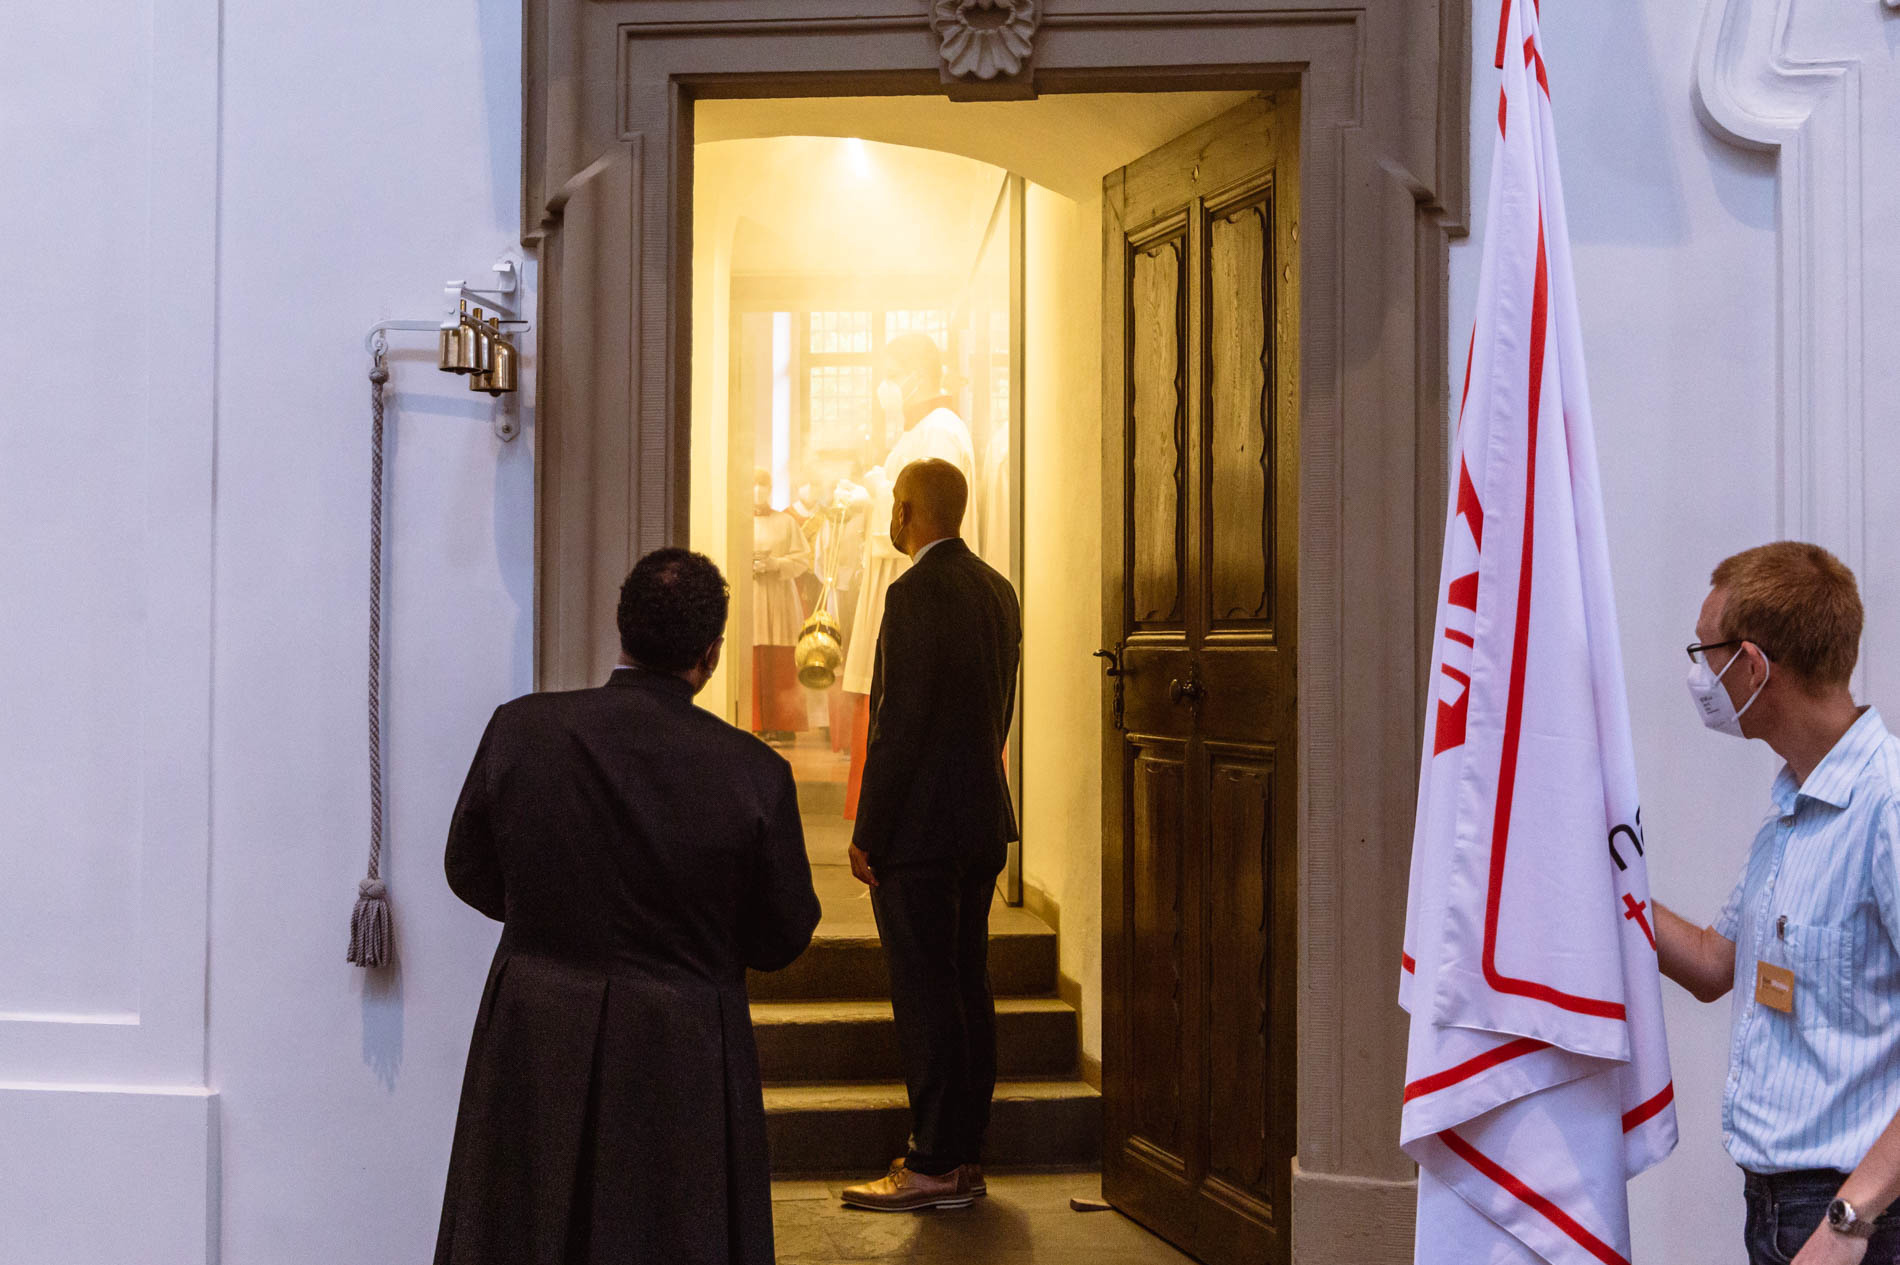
943, 435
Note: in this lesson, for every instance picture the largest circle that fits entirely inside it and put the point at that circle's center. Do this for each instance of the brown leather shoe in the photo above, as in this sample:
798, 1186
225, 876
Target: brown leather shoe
972, 1177
901, 1190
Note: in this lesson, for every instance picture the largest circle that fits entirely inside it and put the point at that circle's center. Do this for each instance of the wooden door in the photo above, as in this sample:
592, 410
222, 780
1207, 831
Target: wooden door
1201, 419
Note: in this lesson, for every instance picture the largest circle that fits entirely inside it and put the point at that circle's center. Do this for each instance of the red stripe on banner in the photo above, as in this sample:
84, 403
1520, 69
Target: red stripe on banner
1462, 638
1472, 511
1449, 730
1410, 963
1501, 113
1514, 707
1471, 1067
1470, 350
1525, 1195
1504, 30
1463, 592
1535, 59
1647, 1111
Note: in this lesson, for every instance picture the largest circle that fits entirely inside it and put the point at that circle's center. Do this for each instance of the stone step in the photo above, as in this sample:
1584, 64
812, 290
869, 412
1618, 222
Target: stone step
862, 1127
846, 962
851, 966
856, 1040
823, 801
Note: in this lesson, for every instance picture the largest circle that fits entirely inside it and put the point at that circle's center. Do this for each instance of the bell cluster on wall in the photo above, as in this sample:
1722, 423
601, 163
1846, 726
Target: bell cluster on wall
479, 345
476, 347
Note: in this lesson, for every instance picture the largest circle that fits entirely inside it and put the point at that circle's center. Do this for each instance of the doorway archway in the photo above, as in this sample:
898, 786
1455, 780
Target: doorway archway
609, 128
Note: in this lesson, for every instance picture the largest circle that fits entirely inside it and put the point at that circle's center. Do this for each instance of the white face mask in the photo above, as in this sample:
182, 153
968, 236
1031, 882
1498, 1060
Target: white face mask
890, 396
1712, 702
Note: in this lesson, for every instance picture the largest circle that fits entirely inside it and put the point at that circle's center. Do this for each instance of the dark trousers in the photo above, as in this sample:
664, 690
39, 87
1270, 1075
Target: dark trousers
934, 921
1784, 1209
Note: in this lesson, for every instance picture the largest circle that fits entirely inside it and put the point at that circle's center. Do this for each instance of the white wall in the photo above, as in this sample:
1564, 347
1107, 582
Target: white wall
369, 152
1676, 245
110, 158
1062, 619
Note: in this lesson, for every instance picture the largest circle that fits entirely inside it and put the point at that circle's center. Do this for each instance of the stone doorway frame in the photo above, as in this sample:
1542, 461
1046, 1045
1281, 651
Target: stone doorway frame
608, 87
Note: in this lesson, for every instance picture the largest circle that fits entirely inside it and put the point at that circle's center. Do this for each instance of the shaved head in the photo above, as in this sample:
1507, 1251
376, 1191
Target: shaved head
927, 503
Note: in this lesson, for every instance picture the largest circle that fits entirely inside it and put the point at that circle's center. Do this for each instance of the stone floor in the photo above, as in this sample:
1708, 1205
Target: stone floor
1025, 1220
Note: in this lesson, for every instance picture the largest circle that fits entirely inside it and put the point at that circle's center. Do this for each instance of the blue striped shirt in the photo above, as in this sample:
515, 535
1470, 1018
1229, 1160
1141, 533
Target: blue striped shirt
1820, 895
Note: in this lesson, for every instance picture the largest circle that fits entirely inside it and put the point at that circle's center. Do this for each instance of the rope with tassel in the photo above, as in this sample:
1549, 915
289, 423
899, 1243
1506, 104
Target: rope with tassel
372, 934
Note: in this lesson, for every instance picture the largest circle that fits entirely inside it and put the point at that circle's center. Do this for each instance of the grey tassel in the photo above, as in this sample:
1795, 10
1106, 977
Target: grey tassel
372, 937
372, 932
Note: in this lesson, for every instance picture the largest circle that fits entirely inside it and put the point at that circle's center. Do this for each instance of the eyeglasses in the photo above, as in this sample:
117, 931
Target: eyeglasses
1698, 651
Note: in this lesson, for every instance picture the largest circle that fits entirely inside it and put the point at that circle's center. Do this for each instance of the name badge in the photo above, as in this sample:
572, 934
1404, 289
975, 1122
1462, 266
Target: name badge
1774, 987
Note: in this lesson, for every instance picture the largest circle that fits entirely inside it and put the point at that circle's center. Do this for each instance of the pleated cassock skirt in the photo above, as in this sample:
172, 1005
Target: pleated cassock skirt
608, 1116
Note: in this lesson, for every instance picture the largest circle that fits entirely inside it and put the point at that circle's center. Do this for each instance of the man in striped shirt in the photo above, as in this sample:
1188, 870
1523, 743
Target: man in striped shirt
1809, 942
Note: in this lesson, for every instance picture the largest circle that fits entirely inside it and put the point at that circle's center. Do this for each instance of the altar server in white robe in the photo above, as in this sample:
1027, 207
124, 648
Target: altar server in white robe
780, 554
913, 382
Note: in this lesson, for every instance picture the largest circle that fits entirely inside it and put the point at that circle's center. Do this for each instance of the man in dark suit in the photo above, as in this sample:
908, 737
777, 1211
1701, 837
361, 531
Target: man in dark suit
934, 825
640, 854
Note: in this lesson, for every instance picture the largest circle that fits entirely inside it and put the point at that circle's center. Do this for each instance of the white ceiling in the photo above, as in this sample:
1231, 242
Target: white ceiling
1065, 142
804, 205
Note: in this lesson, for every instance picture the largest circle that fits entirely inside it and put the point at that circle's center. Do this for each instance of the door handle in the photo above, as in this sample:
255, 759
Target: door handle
1112, 668
1189, 691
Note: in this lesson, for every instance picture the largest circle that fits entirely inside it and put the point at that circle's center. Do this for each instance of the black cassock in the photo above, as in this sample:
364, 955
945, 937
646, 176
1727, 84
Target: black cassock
640, 854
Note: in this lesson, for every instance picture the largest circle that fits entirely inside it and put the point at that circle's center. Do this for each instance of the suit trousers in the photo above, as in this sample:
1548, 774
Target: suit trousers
934, 920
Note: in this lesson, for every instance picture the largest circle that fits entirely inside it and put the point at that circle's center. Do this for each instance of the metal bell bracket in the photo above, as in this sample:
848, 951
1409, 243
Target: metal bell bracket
497, 300
507, 282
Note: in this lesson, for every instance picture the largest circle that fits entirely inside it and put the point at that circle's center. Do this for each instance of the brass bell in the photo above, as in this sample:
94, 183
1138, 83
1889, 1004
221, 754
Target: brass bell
501, 377
451, 349
481, 378
483, 341
460, 351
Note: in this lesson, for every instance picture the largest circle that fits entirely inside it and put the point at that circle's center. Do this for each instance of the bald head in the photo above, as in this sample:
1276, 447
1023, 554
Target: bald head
927, 504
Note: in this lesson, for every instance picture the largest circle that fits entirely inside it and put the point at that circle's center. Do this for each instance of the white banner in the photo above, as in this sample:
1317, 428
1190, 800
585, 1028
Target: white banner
1538, 1073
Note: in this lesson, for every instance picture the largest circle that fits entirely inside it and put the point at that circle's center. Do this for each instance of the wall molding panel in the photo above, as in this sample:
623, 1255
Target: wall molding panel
114, 1176
1753, 91
110, 1127
160, 1039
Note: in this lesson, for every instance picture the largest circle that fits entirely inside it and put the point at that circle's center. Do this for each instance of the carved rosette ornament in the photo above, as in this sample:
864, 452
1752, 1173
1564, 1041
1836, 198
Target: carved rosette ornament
983, 39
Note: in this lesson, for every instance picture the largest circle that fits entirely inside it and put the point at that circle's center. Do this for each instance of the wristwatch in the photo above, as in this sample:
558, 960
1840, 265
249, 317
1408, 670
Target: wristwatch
1842, 1219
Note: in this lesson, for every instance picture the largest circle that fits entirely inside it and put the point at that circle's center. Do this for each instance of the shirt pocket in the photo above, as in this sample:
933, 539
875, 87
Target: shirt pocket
1822, 960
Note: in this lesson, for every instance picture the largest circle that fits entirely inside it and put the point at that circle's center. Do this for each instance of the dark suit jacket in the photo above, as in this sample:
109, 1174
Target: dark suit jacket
641, 854
943, 693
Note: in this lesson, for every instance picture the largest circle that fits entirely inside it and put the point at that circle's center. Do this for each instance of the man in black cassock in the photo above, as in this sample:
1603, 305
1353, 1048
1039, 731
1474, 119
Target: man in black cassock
934, 824
640, 854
